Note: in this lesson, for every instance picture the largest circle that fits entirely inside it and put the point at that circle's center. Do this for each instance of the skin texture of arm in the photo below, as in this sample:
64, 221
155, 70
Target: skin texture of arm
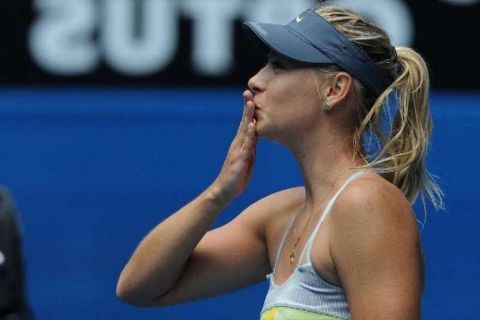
160, 259
376, 251
226, 259
233, 256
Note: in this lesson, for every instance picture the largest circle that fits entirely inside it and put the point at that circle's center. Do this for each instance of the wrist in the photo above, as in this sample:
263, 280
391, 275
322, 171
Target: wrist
214, 195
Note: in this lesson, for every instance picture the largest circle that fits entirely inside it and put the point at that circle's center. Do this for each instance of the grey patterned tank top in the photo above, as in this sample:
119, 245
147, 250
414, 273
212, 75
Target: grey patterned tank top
305, 295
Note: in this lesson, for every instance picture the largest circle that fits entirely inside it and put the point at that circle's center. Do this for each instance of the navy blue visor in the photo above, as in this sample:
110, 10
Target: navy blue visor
311, 39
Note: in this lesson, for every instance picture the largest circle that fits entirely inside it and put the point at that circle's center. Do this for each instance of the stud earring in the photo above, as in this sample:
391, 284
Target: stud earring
327, 106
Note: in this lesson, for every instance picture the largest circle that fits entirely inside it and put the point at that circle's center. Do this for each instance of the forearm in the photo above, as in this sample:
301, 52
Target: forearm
160, 258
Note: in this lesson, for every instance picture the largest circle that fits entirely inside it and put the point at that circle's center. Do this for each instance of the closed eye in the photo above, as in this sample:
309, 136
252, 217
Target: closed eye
277, 64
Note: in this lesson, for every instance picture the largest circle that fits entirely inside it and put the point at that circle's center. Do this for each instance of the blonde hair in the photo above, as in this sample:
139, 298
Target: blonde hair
399, 151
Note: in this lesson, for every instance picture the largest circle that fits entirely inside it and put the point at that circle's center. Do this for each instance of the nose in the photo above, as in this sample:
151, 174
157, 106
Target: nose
257, 83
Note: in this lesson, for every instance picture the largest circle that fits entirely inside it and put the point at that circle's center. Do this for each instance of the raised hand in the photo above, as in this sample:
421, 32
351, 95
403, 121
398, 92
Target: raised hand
238, 166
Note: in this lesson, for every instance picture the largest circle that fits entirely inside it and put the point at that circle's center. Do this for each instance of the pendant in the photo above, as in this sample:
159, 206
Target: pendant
292, 256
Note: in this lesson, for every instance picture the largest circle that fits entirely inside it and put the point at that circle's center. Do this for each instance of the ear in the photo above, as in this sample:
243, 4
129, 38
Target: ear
339, 88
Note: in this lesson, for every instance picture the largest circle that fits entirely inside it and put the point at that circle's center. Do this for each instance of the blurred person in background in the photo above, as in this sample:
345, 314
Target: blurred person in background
346, 244
13, 301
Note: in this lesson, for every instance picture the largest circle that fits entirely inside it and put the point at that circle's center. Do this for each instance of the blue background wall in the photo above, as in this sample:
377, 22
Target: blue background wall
93, 170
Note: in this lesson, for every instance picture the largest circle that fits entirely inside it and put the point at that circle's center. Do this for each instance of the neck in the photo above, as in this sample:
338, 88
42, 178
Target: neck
326, 159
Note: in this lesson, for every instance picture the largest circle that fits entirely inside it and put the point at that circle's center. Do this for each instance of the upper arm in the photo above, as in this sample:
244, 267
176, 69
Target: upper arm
230, 257
375, 247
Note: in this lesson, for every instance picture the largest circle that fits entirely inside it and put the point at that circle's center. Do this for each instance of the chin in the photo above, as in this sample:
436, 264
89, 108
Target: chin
258, 132
278, 136
268, 132
264, 133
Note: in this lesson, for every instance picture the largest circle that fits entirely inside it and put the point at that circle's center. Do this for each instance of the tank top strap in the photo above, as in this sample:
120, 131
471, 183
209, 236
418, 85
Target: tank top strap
325, 213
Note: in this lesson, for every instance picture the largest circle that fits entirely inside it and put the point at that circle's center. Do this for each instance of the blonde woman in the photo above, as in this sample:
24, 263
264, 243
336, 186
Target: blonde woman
345, 245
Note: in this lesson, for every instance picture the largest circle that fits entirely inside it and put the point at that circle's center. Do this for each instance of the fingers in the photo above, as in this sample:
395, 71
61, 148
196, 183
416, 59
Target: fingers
247, 117
247, 96
239, 162
250, 139
247, 121
249, 106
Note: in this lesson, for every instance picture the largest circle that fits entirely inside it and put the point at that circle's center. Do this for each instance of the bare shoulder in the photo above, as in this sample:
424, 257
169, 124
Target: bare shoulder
371, 201
375, 248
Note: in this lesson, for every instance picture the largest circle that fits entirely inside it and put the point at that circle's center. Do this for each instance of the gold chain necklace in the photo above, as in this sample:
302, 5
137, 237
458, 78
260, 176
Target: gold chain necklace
296, 240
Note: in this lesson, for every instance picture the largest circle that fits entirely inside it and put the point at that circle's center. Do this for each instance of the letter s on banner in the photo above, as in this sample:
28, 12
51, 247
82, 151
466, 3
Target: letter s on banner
61, 39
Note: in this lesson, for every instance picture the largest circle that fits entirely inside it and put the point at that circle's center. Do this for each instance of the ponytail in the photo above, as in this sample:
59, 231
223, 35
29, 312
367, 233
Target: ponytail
396, 150
403, 148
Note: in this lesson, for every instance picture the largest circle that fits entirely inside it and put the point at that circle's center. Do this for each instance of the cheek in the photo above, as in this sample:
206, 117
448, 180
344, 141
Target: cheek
287, 91
296, 102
